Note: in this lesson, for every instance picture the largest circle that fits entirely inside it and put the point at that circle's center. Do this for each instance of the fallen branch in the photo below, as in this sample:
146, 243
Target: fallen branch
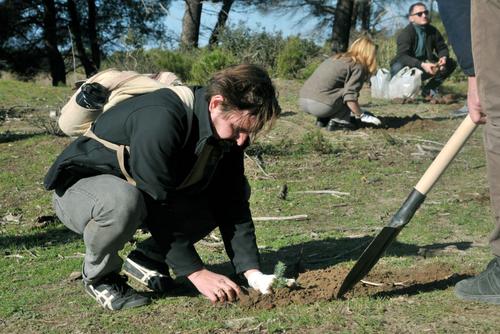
399, 283
371, 283
259, 165
297, 217
329, 192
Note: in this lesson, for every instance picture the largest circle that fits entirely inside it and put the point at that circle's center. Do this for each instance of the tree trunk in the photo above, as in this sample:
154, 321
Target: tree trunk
365, 11
191, 24
221, 22
88, 66
56, 61
342, 25
355, 14
95, 48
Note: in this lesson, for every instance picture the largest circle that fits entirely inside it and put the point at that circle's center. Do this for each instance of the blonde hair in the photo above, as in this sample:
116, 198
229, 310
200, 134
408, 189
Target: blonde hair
362, 51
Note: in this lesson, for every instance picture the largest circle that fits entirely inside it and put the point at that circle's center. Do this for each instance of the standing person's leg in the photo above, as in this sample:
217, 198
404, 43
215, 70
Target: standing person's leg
106, 210
486, 46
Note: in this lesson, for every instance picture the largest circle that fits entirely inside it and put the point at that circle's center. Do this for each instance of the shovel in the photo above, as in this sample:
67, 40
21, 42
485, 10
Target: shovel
374, 251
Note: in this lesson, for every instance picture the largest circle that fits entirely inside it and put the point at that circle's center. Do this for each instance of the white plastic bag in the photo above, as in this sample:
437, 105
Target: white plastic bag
406, 83
380, 84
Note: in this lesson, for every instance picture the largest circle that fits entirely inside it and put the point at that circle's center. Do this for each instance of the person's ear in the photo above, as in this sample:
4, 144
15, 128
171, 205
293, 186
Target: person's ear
215, 102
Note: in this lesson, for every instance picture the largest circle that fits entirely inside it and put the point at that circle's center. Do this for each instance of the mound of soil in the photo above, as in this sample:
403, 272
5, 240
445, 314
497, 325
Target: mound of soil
322, 285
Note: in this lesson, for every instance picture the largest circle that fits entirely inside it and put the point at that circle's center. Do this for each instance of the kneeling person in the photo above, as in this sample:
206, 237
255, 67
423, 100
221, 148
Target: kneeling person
331, 93
186, 160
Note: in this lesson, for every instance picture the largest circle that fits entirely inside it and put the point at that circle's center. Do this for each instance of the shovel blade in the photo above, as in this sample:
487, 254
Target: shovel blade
369, 258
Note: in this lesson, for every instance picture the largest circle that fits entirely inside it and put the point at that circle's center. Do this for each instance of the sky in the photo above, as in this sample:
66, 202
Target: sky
287, 24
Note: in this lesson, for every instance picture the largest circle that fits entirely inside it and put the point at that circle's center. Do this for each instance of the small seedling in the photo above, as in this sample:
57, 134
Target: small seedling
279, 272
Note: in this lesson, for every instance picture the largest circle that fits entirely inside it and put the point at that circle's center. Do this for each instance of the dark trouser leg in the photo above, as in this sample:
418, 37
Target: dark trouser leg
106, 210
395, 68
190, 218
441, 76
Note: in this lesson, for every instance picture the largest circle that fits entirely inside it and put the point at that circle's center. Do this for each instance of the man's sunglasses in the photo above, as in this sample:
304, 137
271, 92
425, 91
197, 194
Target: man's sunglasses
419, 14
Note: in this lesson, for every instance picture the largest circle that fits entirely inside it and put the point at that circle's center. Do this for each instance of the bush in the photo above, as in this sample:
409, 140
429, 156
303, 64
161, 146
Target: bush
294, 57
178, 62
208, 63
137, 60
315, 142
261, 48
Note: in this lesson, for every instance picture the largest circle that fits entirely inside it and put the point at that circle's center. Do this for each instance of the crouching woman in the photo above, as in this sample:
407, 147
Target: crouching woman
185, 157
331, 93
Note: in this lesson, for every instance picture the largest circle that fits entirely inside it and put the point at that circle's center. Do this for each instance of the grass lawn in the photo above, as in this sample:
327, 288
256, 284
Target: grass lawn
372, 169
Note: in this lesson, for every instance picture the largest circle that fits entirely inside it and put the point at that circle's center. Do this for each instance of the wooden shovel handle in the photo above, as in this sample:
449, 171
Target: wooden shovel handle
449, 151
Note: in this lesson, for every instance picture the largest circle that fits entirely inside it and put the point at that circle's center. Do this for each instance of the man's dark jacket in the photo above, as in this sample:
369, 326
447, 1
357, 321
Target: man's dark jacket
163, 151
435, 46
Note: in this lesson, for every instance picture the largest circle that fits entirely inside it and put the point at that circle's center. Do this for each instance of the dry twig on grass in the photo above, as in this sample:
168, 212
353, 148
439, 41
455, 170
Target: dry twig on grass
320, 192
296, 217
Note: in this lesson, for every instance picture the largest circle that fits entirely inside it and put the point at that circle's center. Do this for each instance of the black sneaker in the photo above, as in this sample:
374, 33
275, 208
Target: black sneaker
485, 287
339, 124
322, 122
113, 292
148, 272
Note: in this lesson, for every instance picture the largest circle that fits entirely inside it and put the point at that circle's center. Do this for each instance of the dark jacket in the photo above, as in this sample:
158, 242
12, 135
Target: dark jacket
155, 127
435, 46
456, 19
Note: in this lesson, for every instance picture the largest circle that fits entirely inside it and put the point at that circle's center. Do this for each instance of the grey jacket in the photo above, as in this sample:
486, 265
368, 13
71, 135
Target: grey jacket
334, 79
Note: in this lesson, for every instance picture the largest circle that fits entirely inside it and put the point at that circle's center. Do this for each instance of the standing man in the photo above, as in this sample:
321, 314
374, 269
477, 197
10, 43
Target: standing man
474, 31
186, 160
422, 46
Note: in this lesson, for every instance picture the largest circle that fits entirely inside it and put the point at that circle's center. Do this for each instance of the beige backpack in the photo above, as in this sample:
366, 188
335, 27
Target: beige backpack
115, 86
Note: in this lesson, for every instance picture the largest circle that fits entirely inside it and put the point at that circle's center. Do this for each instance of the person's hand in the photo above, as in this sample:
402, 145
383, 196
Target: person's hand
214, 286
473, 103
429, 68
260, 281
442, 64
369, 118
263, 283
442, 61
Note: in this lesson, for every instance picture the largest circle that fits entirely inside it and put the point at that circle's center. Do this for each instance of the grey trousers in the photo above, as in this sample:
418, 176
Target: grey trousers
107, 211
485, 48
321, 110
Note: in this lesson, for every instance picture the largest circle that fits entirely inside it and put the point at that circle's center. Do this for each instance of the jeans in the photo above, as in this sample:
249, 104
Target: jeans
107, 211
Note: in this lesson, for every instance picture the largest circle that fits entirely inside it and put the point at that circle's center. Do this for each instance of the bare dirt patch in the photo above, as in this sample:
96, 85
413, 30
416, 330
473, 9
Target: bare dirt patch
322, 285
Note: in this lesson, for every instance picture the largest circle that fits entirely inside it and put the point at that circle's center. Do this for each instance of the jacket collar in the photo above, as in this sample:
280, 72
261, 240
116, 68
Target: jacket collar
205, 131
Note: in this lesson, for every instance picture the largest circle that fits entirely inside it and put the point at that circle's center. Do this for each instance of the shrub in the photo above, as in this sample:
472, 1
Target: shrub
261, 48
178, 62
315, 142
208, 63
294, 57
137, 60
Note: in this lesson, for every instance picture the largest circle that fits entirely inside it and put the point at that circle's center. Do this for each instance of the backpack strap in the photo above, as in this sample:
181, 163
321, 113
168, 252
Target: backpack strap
187, 97
120, 153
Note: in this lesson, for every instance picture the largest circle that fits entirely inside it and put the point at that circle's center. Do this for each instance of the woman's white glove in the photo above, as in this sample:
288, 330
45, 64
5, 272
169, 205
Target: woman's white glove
261, 282
366, 117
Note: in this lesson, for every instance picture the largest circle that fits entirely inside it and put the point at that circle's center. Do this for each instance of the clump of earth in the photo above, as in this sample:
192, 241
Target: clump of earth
322, 285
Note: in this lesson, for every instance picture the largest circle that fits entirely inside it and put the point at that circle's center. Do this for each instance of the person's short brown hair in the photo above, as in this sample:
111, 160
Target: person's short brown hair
246, 87
410, 10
